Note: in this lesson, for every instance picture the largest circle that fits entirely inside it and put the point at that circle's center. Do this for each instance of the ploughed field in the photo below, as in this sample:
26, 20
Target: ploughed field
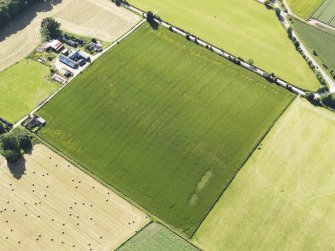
322, 41
23, 87
50, 204
244, 28
304, 8
156, 237
283, 198
164, 121
326, 13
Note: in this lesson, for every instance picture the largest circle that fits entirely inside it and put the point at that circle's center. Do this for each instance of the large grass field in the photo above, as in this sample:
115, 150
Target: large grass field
23, 87
322, 41
244, 28
164, 121
304, 8
156, 237
284, 197
326, 12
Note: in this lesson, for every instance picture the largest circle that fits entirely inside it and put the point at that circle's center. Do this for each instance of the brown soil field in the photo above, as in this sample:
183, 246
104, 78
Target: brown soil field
94, 18
46, 203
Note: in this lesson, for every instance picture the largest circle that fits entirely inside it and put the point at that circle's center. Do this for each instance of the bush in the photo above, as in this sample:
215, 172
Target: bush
310, 96
323, 89
3, 128
328, 100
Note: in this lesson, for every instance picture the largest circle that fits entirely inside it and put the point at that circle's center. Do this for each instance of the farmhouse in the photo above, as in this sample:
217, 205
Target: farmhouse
77, 55
56, 45
34, 122
95, 46
68, 61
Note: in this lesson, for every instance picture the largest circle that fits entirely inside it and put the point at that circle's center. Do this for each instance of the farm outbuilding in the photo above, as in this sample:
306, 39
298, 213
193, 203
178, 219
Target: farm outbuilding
68, 61
77, 55
56, 45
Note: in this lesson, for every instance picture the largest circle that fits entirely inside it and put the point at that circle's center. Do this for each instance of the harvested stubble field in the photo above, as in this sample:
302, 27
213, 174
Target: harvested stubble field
100, 19
284, 197
164, 121
244, 28
156, 237
322, 41
52, 205
304, 8
23, 87
326, 12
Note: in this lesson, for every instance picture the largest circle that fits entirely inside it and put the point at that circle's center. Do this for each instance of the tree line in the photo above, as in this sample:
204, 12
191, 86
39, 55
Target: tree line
14, 143
10, 8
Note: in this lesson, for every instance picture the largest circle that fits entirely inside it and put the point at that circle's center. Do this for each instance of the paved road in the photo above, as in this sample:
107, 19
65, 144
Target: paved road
76, 73
328, 79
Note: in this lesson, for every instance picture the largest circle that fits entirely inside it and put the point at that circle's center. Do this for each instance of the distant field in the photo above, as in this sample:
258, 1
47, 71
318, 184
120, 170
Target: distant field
244, 28
23, 87
156, 237
304, 8
56, 206
326, 13
317, 39
100, 19
164, 121
283, 198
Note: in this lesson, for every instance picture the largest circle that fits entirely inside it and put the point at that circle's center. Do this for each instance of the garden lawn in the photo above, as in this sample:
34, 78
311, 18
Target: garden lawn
166, 122
243, 28
23, 87
156, 237
304, 8
284, 197
323, 42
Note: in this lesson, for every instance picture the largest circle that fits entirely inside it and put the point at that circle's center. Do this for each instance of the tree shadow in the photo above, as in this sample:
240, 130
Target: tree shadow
23, 19
17, 169
315, 103
154, 25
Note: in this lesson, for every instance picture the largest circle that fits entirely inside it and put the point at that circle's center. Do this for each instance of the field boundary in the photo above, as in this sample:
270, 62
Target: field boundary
245, 160
220, 52
153, 222
141, 230
153, 216
136, 233
45, 101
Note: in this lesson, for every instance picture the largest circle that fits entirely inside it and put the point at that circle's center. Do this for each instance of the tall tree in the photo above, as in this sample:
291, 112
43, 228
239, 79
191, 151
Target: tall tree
50, 28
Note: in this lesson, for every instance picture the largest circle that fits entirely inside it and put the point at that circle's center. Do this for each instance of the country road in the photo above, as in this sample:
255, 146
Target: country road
306, 52
217, 50
193, 39
76, 73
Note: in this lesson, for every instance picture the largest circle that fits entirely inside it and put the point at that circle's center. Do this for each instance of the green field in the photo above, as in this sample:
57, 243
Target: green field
22, 87
304, 8
166, 122
244, 28
284, 197
156, 237
326, 12
323, 42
